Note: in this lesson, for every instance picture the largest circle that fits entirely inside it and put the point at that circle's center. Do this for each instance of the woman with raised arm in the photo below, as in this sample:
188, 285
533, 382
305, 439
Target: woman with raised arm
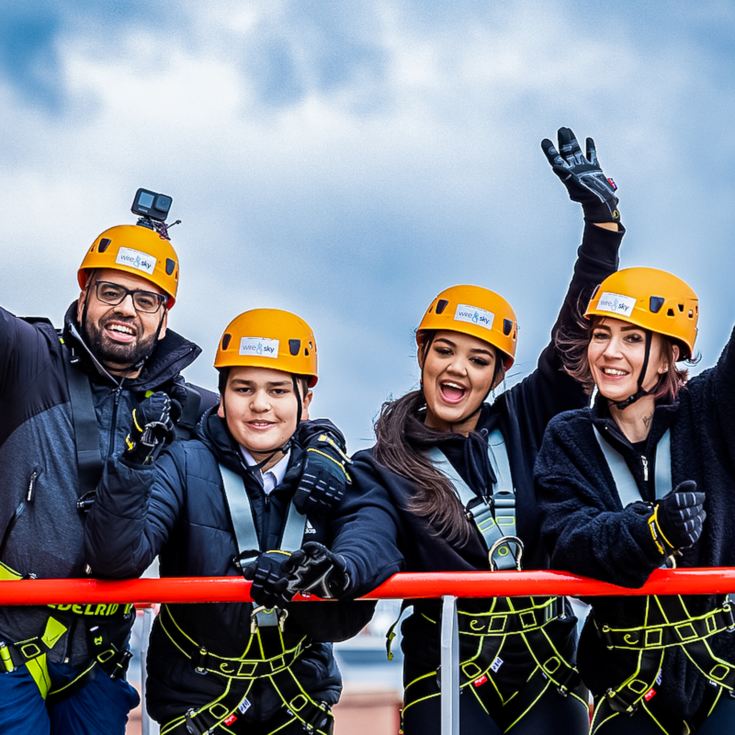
625, 487
453, 476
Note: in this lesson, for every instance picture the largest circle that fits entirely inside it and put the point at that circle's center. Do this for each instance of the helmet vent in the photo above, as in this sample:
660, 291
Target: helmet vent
294, 345
226, 339
441, 305
170, 265
104, 244
507, 327
670, 312
655, 303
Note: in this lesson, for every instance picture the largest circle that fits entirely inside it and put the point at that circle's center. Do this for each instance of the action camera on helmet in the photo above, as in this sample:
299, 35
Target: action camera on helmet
151, 205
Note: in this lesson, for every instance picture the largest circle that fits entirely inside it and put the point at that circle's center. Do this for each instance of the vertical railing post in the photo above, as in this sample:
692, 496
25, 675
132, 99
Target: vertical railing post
449, 667
145, 634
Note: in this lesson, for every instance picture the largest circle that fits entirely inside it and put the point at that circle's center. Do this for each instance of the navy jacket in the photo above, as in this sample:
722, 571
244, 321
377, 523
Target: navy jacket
521, 413
177, 508
588, 532
42, 529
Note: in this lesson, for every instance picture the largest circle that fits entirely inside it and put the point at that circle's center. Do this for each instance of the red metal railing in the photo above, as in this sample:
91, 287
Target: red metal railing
692, 581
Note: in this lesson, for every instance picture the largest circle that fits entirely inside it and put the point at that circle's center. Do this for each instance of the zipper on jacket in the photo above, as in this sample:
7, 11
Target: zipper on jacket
113, 422
31, 486
644, 462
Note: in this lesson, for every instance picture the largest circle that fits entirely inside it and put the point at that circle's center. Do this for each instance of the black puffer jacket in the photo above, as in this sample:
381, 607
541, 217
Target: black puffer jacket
178, 508
41, 530
588, 532
521, 414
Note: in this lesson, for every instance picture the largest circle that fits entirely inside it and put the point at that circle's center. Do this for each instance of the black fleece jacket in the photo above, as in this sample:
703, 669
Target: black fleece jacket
521, 414
178, 508
588, 532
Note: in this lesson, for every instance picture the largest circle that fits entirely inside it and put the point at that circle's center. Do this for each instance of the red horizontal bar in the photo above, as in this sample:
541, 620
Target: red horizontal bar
693, 581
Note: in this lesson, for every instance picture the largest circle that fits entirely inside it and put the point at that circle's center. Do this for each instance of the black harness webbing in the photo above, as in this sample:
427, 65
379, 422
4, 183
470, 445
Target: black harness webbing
84, 421
676, 626
219, 715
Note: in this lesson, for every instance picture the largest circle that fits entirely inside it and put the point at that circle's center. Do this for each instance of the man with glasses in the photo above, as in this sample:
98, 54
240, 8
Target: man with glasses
66, 399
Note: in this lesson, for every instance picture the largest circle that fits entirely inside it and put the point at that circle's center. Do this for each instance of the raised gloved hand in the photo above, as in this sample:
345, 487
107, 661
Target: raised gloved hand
315, 569
151, 429
324, 478
678, 518
583, 177
269, 575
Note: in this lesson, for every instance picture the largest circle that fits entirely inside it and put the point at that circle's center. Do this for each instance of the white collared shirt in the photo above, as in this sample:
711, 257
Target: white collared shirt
273, 476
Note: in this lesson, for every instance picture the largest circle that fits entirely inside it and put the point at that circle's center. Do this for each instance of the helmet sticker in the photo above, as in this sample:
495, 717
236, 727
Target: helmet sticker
474, 315
616, 303
259, 346
136, 259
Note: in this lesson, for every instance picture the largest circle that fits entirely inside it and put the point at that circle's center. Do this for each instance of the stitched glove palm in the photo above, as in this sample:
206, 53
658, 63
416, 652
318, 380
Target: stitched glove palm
678, 518
324, 478
151, 429
314, 568
583, 177
269, 575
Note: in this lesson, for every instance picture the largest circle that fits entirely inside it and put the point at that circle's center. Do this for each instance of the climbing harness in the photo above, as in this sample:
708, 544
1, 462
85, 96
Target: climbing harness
667, 624
483, 634
268, 656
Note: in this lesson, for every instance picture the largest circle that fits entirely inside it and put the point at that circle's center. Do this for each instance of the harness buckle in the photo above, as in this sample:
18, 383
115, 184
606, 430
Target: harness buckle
730, 617
505, 541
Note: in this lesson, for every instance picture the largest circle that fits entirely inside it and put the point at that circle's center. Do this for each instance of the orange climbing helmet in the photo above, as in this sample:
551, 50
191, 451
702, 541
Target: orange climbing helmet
138, 250
651, 299
269, 338
476, 311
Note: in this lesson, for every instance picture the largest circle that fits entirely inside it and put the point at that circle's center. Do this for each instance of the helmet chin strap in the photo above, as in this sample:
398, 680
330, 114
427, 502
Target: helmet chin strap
641, 391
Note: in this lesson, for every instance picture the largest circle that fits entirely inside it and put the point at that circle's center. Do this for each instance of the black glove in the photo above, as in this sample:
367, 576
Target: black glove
270, 579
583, 177
678, 518
315, 569
151, 429
324, 478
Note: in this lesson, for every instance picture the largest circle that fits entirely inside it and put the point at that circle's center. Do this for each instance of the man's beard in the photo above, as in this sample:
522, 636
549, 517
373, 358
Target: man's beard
107, 352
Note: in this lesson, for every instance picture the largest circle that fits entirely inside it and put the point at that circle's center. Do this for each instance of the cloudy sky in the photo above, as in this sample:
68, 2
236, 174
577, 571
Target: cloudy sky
348, 160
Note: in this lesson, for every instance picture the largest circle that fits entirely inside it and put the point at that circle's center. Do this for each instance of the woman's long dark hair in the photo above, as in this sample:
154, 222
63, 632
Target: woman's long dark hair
436, 499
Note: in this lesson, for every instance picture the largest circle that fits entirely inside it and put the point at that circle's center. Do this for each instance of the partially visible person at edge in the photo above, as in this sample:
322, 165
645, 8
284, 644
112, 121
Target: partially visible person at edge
66, 400
452, 475
641, 479
227, 503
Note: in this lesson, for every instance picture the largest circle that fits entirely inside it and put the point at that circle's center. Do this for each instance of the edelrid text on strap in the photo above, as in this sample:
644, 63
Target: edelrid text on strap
496, 519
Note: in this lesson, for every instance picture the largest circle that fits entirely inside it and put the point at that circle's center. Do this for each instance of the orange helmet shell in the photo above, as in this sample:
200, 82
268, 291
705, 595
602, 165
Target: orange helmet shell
269, 338
651, 299
138, 250
476, 311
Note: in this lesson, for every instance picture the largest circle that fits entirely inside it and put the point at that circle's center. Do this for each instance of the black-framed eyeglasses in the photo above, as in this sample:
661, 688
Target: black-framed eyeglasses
114, 294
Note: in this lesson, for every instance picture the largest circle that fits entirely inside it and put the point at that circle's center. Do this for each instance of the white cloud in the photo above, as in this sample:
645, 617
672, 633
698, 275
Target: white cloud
356, 202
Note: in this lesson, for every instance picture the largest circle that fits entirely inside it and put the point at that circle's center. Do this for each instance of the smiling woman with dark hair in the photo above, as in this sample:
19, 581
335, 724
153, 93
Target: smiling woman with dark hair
452, 475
